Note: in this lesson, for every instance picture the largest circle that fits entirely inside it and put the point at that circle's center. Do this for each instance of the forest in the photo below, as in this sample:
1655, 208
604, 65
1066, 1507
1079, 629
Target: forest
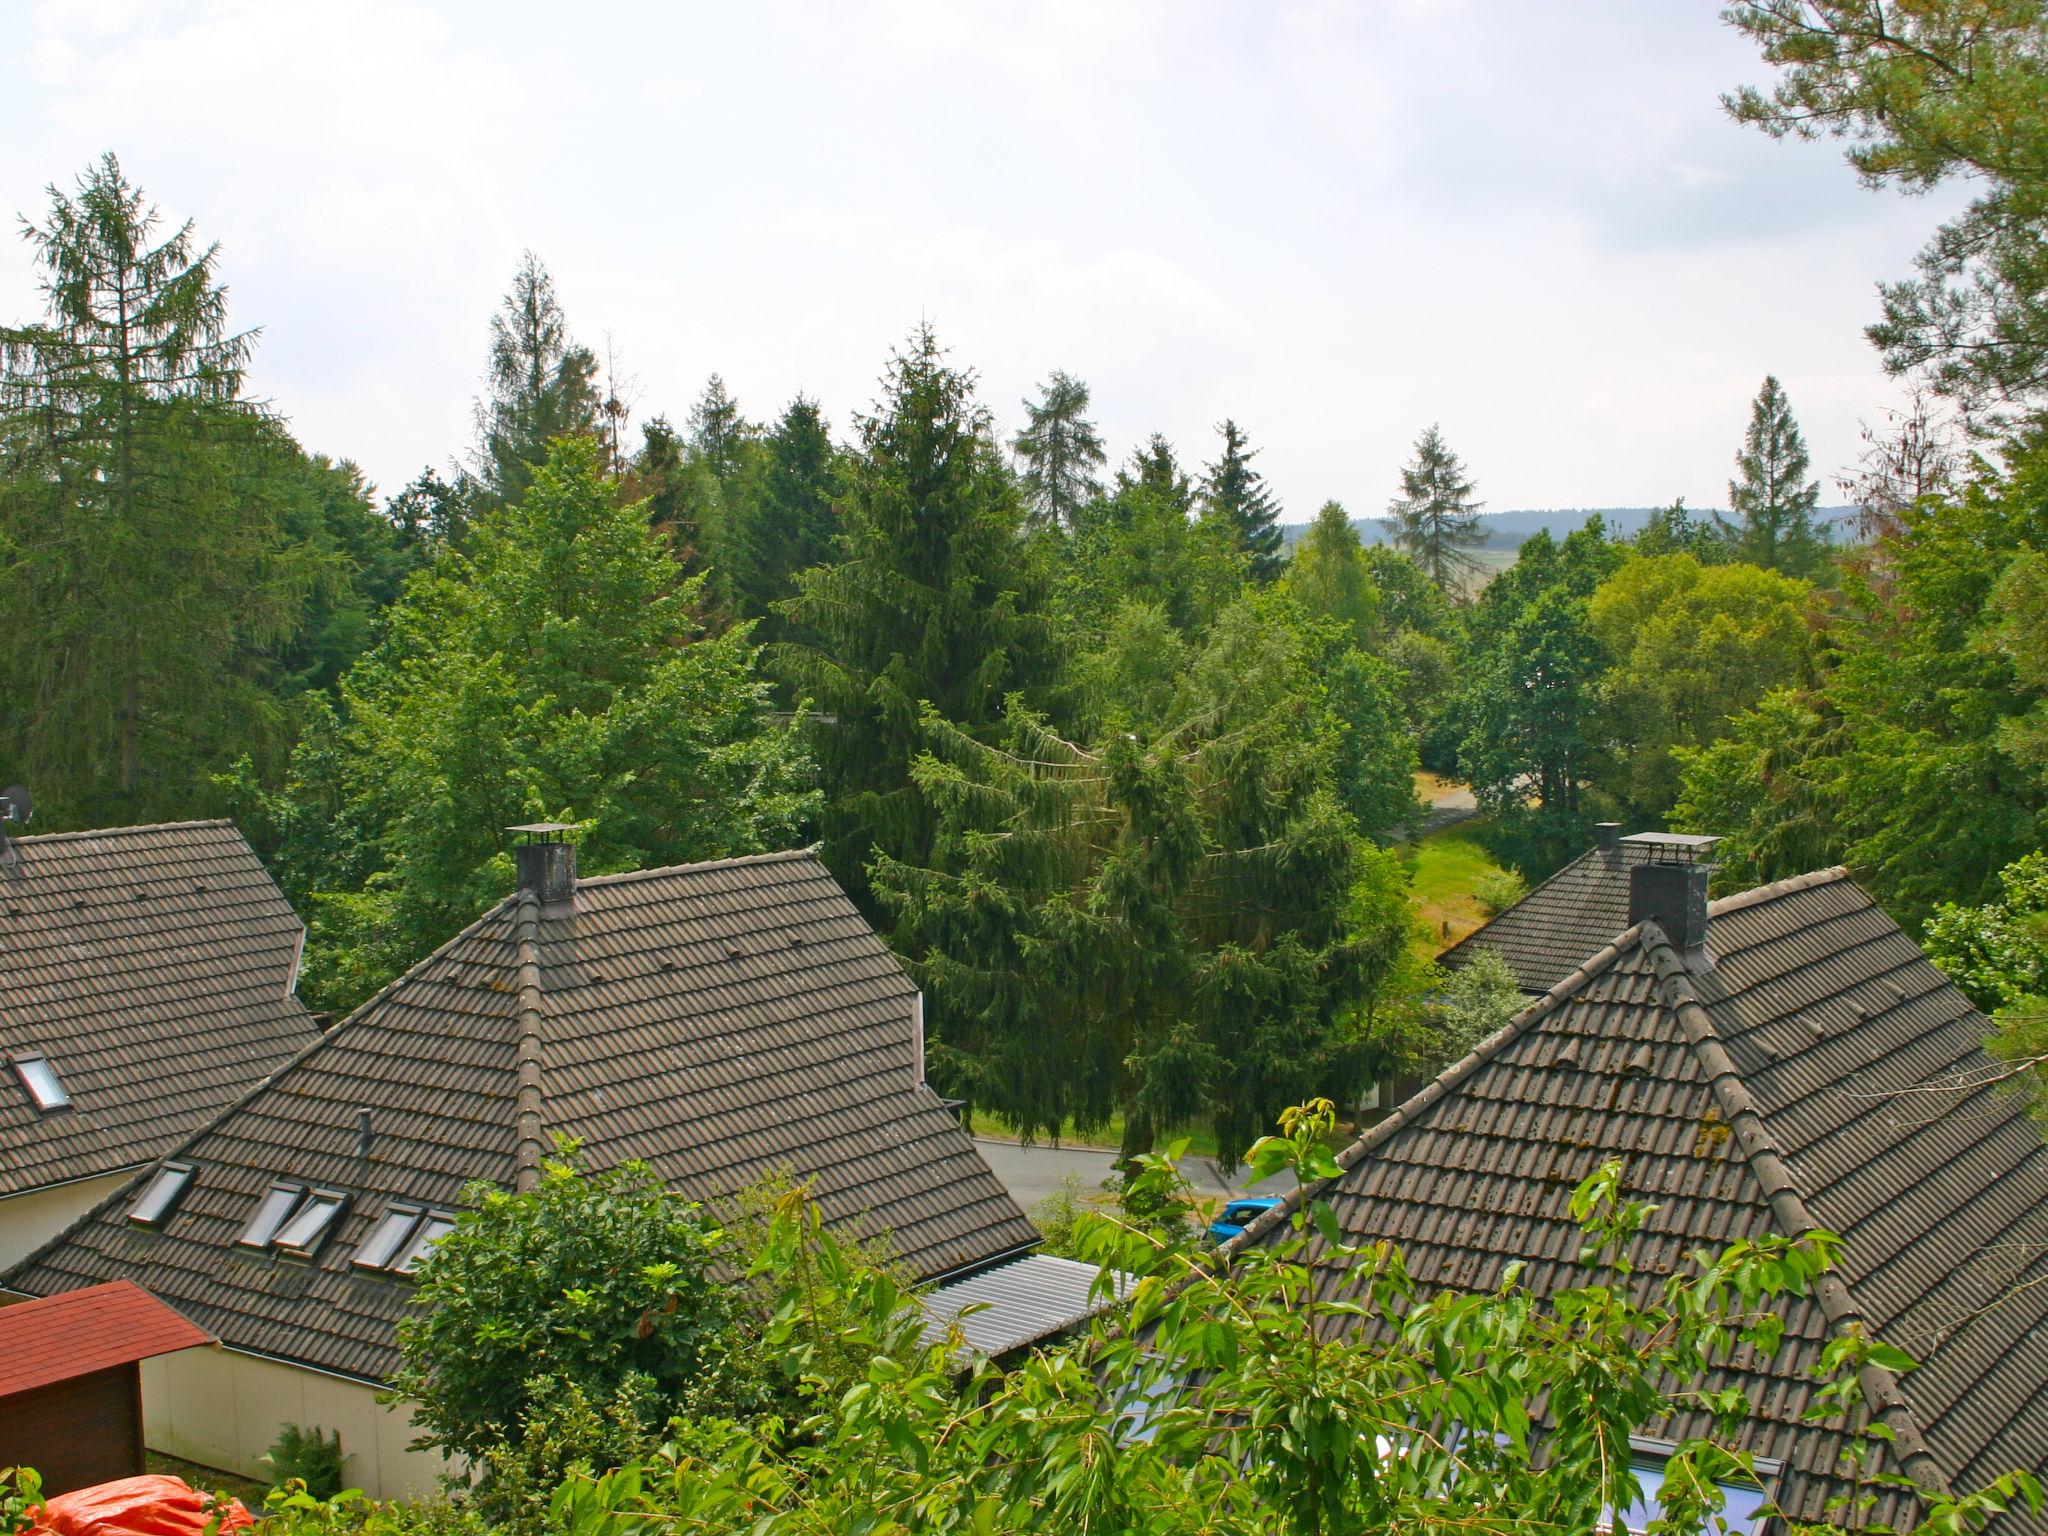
1122, 772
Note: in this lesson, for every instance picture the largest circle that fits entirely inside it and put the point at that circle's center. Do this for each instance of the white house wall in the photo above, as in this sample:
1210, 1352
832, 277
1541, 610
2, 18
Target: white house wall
31, 1220
223, 1409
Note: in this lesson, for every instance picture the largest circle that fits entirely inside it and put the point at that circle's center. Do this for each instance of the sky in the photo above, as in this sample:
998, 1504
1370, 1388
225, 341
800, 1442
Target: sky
1528, 221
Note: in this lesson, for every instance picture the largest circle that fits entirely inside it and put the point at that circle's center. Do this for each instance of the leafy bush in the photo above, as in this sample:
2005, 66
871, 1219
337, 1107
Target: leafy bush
1477, 1000
310, 1455
1499, 889
1059, 1213
602, 1280
21, 1490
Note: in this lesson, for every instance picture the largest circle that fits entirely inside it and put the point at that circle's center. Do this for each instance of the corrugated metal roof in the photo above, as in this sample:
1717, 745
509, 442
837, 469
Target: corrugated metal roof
722, 1022
152, 968
1022, 1302
1775, 1067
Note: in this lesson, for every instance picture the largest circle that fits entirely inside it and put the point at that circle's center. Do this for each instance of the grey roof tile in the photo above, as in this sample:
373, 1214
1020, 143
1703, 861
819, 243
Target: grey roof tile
1545, 935
153, 967
1941, 1197
654, 1044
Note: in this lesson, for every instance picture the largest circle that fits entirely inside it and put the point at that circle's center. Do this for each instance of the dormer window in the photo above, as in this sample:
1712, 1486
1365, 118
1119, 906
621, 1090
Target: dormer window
401, 1238
40, 1079
160, 1196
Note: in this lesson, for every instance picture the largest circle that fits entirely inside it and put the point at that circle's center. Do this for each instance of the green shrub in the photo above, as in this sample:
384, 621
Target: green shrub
311, 1455
21, 1490
1499, 889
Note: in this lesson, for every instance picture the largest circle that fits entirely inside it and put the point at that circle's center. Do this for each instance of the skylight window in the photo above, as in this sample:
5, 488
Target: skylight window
387, 1237
278, 1202
310, 1223
437, 1225
40, 1079
160, 1196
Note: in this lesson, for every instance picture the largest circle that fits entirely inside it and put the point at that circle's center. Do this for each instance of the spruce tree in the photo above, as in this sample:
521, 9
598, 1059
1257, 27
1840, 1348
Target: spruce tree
1155, 469
1435, 518
1236, 495
542, 385
934, 603
790, 508
656, 476
144, 564
1771, 497
717, 429
1061, 452
717, 450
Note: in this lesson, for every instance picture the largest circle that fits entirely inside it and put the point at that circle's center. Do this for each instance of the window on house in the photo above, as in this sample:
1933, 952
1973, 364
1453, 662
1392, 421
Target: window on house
160, 1196
437, 1225
387, 1237
278, 1202
311, 1220
40, 1079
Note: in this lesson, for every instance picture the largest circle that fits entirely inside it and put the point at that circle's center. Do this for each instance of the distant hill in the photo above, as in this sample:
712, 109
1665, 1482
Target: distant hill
1507, 530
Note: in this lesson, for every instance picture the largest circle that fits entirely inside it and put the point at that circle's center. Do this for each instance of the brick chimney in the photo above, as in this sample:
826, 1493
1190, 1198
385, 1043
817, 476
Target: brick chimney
1669, 888
1607, 836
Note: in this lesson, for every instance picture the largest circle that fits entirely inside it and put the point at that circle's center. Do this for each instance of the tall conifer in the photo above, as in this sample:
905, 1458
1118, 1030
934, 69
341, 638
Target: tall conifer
1237, 496
542, 385
1771, 497
1435, 518
932, 604
1061, 452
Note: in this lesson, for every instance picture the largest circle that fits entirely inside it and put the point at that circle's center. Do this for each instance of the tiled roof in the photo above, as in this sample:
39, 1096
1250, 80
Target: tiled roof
1817, 1071
1545, 935
59, 1337
153, 968
719, 1021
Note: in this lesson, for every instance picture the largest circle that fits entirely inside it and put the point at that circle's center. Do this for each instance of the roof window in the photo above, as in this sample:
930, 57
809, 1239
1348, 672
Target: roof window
437, 1225
310, 1223
278, 1202
40, 1079
401, 1238
160, 1196
387, 1237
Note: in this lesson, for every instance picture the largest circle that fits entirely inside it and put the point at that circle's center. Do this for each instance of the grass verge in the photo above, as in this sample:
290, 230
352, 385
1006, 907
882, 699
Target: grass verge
1444, 867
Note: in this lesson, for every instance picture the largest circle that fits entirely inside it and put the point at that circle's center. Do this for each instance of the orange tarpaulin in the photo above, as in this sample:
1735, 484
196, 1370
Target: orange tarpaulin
138, 1506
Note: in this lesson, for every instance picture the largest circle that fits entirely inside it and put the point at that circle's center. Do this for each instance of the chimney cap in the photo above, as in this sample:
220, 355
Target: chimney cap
546, 831
1681, 847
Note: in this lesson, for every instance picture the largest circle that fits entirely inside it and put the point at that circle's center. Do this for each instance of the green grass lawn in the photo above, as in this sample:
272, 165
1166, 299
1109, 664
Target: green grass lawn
1201, 1139
1443, 869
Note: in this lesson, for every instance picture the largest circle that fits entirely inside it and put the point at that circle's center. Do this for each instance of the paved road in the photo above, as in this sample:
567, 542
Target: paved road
1032, 1173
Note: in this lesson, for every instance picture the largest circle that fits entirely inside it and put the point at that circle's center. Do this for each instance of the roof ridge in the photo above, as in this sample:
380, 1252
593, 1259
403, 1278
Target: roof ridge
1439, 1086
147, 826
1757, 895
1747, 1122
527, 1145
809, 851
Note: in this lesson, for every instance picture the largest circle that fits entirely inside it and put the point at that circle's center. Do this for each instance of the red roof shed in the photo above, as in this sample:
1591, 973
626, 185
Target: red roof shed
70, 1388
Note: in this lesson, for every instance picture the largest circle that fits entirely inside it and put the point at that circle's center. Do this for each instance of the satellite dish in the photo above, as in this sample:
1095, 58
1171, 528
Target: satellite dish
19, 806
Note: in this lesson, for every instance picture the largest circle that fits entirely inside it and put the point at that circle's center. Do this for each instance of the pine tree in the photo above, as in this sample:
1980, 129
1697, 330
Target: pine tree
144, 564
1236, 495
542, 385
656, 476
1435, 518
934, 603
1061, 451
1772, 499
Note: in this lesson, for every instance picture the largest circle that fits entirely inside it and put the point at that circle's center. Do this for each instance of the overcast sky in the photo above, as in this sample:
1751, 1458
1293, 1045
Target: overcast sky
1528, 221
